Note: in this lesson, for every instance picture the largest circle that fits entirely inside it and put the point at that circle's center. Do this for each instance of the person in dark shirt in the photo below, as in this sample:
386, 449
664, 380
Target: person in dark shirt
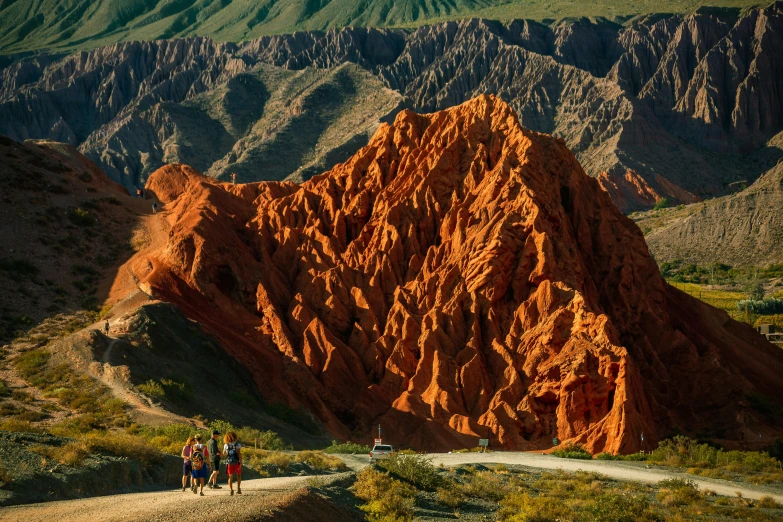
214, 451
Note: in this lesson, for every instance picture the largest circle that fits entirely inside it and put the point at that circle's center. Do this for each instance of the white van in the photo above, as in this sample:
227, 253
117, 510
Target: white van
381, 451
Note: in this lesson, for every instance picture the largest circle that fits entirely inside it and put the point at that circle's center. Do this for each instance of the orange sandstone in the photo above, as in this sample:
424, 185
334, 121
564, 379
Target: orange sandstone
459, 277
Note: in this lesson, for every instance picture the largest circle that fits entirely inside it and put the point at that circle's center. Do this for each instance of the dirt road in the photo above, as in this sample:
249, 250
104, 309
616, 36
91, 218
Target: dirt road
168, 505
162, 506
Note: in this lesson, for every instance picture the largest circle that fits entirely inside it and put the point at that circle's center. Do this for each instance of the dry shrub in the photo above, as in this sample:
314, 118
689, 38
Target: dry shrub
413, 469
767, 502
678, 492
321, 461
451, 495
70, 454
521, 507
387, 499
487, 485
274, 462
21, 426
7, 478
122, 445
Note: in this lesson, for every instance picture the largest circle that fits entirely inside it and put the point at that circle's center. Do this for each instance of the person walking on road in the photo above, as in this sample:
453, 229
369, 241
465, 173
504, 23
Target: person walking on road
154, 207
187, 469
200, 464
214, 452
231, 450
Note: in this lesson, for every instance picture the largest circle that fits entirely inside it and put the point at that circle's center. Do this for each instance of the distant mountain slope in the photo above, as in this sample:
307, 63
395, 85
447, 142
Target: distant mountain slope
743, 229
79, 24
667, 106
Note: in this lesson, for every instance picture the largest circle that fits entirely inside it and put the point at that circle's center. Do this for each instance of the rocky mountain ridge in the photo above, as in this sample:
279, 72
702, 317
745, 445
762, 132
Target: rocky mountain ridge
664, 107
458, 278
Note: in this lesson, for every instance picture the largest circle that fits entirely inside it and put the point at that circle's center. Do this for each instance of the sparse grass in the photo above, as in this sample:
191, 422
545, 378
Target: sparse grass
347, 447
79, 393
19, 269
572, 451
5, 391
577, 496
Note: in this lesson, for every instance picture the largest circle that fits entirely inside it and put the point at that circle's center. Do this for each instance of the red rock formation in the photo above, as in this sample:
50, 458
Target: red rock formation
632, 192
459, 277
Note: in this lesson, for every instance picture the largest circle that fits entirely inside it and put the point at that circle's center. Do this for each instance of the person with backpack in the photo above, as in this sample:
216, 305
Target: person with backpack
231, 450
199, 459
214, 451
187, 469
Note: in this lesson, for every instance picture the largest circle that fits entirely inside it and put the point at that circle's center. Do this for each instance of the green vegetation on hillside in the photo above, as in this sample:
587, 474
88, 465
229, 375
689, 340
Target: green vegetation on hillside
72, 24
748, 294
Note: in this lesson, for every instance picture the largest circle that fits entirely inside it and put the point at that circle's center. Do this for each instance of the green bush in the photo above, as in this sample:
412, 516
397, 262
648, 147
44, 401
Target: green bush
416, 470
268, 440
152, 389
81, 217
31, 363
768, 306
347, 447
169, 389
661, 204
572, 451
703, 459
5, 391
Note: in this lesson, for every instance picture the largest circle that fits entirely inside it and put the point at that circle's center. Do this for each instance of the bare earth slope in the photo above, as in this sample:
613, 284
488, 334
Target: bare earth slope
665, 106
458, 278
743, 229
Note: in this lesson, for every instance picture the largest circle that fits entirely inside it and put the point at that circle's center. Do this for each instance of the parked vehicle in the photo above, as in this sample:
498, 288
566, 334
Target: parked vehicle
381, 451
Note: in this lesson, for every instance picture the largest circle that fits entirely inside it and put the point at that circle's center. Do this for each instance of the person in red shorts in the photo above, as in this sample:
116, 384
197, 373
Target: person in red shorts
232, 452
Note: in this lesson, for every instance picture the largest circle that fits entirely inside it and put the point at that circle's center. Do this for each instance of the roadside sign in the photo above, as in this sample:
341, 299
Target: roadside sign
378, 441
483, 443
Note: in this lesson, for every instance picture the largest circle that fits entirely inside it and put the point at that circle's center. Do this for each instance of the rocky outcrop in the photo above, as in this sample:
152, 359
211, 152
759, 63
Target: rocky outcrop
458, 278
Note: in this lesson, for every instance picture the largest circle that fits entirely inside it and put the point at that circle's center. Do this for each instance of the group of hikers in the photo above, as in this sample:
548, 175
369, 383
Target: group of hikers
141, 194
202, 462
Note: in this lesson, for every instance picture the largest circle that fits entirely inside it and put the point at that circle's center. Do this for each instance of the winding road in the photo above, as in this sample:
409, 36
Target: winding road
168, 505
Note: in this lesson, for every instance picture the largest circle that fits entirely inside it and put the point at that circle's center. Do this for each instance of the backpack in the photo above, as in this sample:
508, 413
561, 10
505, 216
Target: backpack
197, 459
232, 455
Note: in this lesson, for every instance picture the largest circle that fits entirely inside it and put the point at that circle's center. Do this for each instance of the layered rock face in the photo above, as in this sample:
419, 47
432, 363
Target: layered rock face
459, 277
663, 107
